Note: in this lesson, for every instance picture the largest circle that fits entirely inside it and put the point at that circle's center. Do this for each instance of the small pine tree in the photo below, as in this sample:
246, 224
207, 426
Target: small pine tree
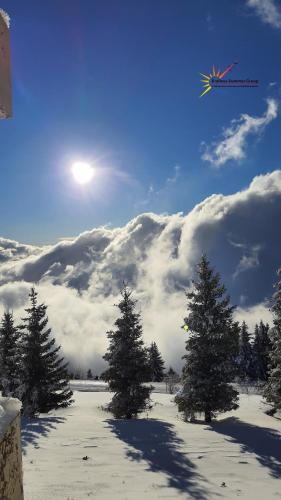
171, 372
261, 351
127, 361
44, 373
211, 349
9, 357
155, 363
89, 374
246, 360
272, 391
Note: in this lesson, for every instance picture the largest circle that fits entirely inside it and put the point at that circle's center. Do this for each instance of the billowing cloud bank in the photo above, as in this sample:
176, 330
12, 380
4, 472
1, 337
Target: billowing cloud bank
80, 279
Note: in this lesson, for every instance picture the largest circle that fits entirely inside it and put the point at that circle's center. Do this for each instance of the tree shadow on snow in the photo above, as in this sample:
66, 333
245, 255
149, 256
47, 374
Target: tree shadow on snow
156, 442
33, 428
264, 442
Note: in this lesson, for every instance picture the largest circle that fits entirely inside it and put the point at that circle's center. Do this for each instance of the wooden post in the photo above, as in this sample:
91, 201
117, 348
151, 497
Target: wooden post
5, 72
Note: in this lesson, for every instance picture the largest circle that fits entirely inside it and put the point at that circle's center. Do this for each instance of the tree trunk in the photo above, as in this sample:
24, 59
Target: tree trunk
208, 418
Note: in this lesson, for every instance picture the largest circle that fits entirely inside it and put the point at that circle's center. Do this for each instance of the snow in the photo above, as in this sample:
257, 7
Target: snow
99, 385
150, 458
9, 408
5, 17
88, 385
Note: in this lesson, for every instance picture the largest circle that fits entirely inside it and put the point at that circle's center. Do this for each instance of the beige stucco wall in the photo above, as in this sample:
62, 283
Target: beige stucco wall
11, 487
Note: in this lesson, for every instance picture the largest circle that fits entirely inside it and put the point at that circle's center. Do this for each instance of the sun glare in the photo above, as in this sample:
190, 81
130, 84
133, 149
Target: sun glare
82, 172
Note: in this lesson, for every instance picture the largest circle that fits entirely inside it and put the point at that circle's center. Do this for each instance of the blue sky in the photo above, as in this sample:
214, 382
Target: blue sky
117, 83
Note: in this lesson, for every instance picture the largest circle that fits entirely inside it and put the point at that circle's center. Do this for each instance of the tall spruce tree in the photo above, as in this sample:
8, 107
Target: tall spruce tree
9, 356
211, 349
272, 391
261, 350
155, 363
45, 374
127, 361
246, 356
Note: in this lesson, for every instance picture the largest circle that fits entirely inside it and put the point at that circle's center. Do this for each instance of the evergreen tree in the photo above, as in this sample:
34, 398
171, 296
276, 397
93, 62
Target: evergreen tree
171, 372
245, 360
211, 349
44, 372
272, 391
155, 363
236, 329
127, 361
261, 350
9, 357
146, 368
89, 374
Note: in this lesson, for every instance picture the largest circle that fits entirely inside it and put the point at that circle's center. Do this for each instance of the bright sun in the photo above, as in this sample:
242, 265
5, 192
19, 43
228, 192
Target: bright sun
82, 172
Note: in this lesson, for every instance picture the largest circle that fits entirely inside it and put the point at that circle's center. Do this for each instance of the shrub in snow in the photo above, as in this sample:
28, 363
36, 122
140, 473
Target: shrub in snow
171, 379
127, 361
211, 349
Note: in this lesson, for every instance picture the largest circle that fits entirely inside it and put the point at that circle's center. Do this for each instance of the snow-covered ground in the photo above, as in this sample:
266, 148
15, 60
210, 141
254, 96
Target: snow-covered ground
158, 457
9, 409
88, 385
100, 385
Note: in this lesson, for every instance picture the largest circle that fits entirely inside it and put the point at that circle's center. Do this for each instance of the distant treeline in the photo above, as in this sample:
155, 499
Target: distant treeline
219, 351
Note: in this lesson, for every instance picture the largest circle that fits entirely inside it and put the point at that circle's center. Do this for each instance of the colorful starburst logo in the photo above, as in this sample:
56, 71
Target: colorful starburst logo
207, 79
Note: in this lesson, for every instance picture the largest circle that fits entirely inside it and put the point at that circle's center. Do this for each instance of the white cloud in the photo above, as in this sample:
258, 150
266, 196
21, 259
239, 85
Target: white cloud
78, 324
80, 279
156, 195
233, 144
175, 177
253, 315
209, 21
268, 11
